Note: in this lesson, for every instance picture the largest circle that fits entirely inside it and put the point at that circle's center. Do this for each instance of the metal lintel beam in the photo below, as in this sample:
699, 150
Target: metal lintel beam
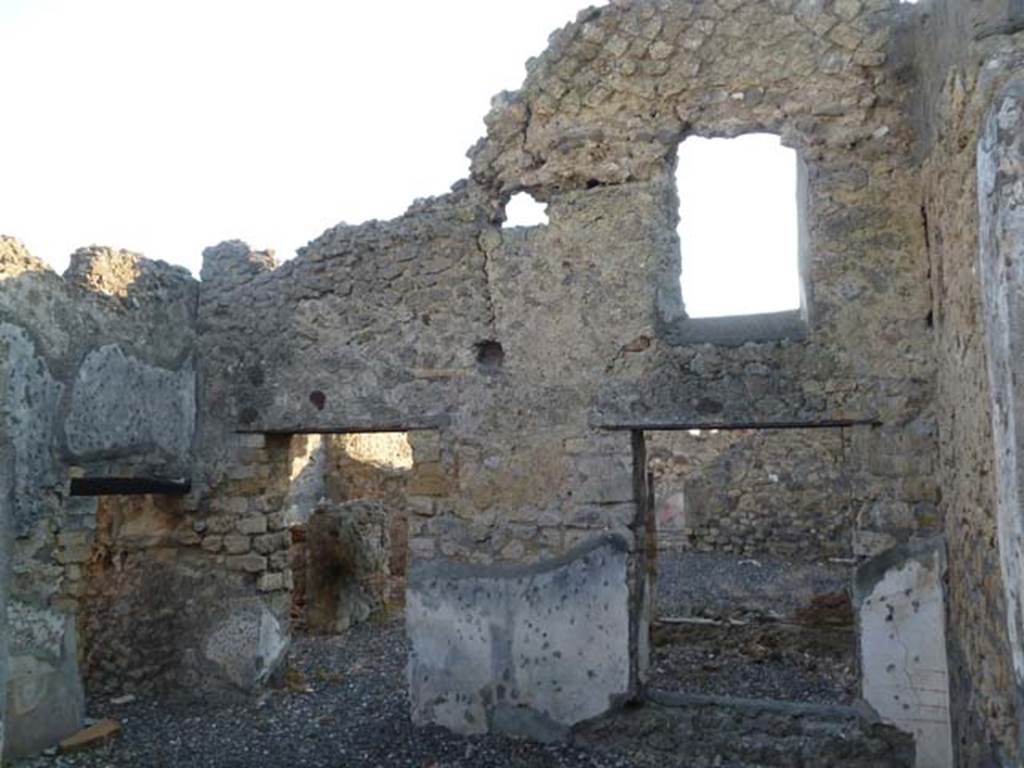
679, 426
128, 486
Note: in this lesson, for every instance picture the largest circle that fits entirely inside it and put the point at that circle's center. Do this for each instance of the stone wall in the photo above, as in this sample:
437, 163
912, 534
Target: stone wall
813, 493
578, 306
742, 492
964, 59
532, 352
124, 589
171, 600
526, 365
97, 370
1001, 235
6, 550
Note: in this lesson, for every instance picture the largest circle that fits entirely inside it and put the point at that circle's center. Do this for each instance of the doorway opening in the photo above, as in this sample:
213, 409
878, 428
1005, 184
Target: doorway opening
754, 531
119, 551
347, 514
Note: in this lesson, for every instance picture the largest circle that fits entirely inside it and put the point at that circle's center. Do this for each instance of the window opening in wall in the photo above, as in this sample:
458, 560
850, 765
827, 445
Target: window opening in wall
523, 211
738, 226
754, 529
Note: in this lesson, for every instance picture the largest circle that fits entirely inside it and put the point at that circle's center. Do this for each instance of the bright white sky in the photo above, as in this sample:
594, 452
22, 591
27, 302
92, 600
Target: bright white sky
166, 127
738, 225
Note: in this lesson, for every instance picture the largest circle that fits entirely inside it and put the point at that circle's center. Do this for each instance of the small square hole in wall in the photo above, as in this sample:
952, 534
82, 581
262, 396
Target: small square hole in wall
738, 226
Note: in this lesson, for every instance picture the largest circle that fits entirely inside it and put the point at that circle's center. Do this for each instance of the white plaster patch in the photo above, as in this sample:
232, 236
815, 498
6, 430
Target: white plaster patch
551, 642
35, 629
1000, 165
45, 699
29, 679
28, 409
903, 655
119, 403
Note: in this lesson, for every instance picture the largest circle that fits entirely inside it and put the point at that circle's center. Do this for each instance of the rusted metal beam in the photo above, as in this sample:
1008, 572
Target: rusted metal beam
128, 486
679, 426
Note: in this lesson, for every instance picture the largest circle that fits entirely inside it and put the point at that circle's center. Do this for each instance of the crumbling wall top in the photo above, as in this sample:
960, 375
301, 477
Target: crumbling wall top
233, 262
16, 260
617, 89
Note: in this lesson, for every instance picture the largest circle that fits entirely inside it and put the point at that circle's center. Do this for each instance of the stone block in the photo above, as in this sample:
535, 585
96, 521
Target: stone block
45, 698
270, 582
255, 440
119, 402
75, 554
901, 627
75, 538
429, 479
271, 542
243, 471
74, 588
252, 525
237, 505
421, 506
246, 644
250, 563
604, 479
422, 547
219, 524
426, 446
187, 538
280, 559
236, 544
549, 640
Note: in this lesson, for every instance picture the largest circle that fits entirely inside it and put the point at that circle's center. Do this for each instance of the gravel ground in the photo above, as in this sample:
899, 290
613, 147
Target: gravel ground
355, 714
757, 661
763, 659
344, 701
708, 584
